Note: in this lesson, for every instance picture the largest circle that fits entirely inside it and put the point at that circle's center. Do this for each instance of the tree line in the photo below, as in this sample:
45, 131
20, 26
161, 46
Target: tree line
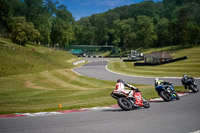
146, 24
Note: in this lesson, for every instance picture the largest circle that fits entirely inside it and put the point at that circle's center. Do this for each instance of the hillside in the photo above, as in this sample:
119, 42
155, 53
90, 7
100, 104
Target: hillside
16, 59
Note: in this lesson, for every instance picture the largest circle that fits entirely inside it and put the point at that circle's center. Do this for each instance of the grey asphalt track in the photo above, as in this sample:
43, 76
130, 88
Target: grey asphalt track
163, 117
182, 116
97, 69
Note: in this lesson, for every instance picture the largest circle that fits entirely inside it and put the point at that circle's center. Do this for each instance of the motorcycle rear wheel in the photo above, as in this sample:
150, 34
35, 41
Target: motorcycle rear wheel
165, 96
124, 103
193, 88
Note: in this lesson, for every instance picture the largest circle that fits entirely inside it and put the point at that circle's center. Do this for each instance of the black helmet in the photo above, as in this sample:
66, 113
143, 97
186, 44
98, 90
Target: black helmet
119, 81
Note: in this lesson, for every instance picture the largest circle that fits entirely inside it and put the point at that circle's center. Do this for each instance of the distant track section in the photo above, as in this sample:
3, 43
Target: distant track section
96, 68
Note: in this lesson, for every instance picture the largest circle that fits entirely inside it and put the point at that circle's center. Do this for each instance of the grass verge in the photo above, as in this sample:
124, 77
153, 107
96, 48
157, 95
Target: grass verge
190, 66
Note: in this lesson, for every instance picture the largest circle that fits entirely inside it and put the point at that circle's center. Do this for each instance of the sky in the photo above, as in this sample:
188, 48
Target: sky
83, 8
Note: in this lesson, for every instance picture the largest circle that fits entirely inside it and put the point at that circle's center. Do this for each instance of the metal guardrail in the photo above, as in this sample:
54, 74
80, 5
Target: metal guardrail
160, 63
78, 62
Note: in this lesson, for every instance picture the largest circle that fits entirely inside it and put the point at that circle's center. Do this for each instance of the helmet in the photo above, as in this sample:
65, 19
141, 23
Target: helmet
158, 82
119, 81
156, 79
185, 76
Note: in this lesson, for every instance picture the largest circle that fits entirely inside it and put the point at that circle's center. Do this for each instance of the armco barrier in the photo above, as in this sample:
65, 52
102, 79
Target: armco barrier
160, 63
132, 60
78, 62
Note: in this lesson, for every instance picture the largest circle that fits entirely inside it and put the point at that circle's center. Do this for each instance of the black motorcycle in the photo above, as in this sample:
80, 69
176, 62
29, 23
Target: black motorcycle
190, 83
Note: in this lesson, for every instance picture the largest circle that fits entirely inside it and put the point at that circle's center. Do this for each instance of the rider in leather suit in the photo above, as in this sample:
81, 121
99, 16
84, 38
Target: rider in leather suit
162, 83
120, 87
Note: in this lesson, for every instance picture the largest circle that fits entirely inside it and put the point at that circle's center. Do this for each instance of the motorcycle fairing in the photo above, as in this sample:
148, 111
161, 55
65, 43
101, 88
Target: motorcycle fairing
138, 98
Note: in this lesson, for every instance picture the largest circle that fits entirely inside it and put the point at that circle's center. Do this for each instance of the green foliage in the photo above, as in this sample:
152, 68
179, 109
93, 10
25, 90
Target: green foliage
62, 32
144, 25
162, 31
23, 31
4, 17
16, 8
123, 32
164, 23
146, 33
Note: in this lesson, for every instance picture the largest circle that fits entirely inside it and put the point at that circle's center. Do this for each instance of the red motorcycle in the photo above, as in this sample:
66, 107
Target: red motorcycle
130, 103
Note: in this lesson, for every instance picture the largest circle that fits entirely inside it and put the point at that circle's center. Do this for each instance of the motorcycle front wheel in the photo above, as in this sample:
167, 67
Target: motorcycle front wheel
124, 103
177, 96
146, 104
165, 96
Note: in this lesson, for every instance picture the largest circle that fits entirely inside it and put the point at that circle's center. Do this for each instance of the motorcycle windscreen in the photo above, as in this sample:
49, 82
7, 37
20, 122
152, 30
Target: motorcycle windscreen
138, 98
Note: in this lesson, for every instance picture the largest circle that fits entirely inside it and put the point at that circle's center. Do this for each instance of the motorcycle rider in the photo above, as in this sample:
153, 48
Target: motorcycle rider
120, 87
186, 81
162, 83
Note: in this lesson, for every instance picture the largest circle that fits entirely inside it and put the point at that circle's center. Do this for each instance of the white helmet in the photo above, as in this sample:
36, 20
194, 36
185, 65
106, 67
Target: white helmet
156, 79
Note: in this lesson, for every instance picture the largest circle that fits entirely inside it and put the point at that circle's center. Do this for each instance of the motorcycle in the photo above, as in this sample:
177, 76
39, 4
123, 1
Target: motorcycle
167, 92
130, 103
190, 83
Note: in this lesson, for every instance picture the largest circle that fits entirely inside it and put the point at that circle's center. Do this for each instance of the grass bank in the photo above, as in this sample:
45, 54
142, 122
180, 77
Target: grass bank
190, 66
16, 59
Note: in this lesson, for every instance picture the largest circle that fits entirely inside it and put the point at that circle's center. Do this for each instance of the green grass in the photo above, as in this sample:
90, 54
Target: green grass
17, 59
44, 91
190, 66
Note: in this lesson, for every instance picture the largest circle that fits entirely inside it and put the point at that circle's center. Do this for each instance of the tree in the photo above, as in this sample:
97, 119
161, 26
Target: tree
101, 30
87, 35
186, 19
162, 32
39, 12
146, 34
34, 11
194, 30
23, 31
4, 17
77, 34
146, 8
62, 32
17, 8
193, 22
180, 19
64, 14
124, 32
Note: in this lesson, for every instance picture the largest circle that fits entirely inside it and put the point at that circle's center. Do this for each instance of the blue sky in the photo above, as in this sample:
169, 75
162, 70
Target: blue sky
83, 8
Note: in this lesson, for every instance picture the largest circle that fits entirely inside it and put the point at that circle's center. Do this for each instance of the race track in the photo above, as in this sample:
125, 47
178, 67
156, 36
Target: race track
97, 69
162, 117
